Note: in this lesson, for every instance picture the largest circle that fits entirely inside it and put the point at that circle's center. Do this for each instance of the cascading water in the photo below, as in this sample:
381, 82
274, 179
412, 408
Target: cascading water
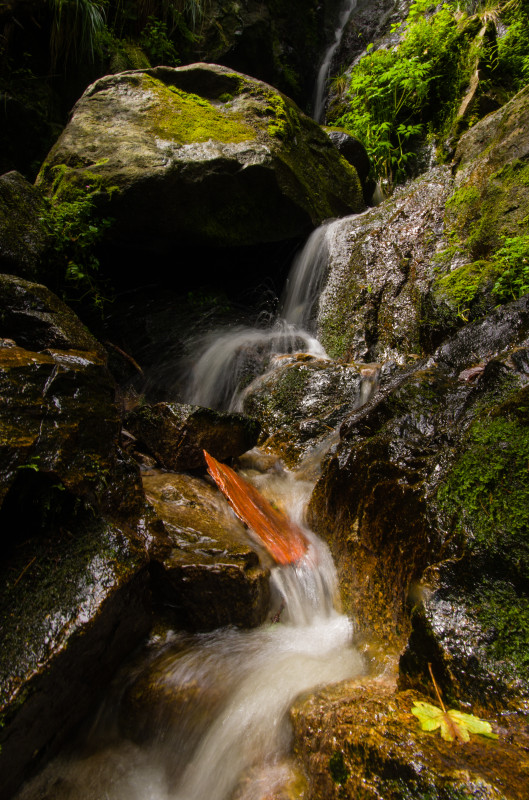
222, 730
226, 356
323, 73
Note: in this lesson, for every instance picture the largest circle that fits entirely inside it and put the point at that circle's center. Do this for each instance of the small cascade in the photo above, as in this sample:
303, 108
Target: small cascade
228, 358
223, 730
320, 91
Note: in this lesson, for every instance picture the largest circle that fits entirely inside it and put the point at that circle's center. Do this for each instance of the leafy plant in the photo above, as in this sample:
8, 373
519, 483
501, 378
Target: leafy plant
512, 262
155, 40
74, 228
75, 27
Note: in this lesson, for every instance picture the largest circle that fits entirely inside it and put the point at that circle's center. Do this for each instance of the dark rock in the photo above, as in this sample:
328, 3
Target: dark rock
176, 434
22, 233
73, 582
207, 157
205, 572
353, 151
360, 740
36, 319
301, 400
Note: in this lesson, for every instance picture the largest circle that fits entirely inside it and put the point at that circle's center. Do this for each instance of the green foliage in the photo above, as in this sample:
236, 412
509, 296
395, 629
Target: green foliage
513, 47
453, 724
75, 227
155, 40
75, 28
393, 93
512, 262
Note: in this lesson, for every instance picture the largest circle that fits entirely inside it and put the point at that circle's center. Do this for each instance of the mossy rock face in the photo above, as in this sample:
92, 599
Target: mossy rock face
199, 155
176, 434
301, 400
361, 741
489, 203
35, 319
432, 475
206, 573
22, 234
381, 269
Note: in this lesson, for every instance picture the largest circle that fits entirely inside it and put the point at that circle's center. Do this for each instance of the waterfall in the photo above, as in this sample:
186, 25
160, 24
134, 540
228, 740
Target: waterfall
228, 358
323, 74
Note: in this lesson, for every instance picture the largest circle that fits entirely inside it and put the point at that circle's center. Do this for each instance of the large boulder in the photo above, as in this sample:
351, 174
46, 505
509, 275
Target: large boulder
73, 581
199, 155
381, 267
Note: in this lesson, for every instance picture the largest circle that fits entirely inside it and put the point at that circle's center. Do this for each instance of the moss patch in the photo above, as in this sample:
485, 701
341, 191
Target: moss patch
187, 118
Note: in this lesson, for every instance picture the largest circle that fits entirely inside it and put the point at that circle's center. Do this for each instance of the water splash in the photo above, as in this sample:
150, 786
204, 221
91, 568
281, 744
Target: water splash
323, 74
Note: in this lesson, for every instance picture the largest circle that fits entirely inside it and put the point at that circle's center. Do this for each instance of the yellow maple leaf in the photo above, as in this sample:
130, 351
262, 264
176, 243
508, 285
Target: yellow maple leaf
454, 724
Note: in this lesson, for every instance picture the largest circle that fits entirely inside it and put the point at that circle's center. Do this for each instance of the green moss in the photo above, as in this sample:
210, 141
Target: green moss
291, 390
487, 492
467, 288
187, 118
337, 768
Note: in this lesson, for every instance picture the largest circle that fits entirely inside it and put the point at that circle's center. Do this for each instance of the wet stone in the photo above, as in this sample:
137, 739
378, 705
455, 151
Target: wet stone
206, 573
361, 740
176, 434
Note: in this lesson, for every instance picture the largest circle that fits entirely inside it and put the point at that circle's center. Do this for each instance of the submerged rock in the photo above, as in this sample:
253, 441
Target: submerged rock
206, 574
199, 155
176, 434
432, 472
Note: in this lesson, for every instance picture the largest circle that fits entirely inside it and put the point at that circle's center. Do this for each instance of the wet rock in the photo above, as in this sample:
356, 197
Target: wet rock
353, 151
74, 604
301, 400
206, 573
424, 505
176, 434
73, 582
36, 319
381, 267
489, 204
360, 740
199, 155
22, 233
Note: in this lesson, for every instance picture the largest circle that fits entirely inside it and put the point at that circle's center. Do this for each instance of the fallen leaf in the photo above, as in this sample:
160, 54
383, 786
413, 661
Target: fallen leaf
454, 724
283, 539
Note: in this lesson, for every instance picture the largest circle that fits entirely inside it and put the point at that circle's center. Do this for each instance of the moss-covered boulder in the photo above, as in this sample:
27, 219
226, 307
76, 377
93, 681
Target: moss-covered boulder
486, 221
22, 233
361, 741
432, 474
205, 572
199, 155
176, 434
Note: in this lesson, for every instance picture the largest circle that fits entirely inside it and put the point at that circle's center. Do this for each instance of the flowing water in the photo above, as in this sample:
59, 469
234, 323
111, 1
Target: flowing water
227, 358
320, 92
206, 716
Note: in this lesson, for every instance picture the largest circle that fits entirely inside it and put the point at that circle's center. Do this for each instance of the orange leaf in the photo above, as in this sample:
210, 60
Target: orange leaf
283, 539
